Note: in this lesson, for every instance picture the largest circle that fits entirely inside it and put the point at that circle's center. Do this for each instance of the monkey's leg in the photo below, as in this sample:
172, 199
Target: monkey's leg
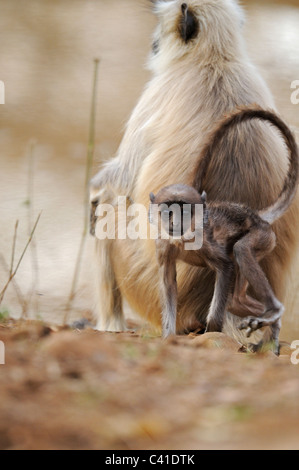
246, 252
168, 286
221, 292
110, 311
242, 304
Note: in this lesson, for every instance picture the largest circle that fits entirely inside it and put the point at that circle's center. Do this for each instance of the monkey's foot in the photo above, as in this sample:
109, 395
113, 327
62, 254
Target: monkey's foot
116, 325
252, 324
263, 346
81, 324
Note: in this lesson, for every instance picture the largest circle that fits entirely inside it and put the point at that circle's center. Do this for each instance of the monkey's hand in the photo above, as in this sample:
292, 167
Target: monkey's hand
101, 196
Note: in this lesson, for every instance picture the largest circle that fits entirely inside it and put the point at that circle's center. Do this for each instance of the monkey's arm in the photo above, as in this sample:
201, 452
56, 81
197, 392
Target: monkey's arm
167, 256
119, 175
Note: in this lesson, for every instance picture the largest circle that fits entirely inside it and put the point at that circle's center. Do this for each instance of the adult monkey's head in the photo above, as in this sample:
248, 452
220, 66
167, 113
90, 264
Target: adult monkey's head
206, 30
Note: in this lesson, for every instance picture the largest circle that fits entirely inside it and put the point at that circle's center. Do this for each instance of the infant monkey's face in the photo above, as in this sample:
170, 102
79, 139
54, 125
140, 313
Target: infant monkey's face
173, 209
176, 217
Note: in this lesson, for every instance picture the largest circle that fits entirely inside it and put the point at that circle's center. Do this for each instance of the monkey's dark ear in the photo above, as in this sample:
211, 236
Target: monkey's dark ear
152, 198
189, 25
204, 197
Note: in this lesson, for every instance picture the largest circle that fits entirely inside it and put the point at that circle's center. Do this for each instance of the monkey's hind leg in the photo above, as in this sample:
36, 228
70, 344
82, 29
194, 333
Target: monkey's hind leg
242, 305
247, 251
110, 308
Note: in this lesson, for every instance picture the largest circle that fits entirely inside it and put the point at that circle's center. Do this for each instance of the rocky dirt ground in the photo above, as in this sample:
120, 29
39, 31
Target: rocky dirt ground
71, 389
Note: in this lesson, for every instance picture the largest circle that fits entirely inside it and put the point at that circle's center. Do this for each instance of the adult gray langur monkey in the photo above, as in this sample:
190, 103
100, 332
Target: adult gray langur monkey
200, 72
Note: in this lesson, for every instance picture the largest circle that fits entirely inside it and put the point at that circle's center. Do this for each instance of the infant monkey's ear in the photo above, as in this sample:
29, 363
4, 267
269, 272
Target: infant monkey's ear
204, 197
152, 198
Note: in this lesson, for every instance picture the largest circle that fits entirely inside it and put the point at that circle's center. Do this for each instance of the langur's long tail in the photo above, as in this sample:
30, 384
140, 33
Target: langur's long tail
276, 210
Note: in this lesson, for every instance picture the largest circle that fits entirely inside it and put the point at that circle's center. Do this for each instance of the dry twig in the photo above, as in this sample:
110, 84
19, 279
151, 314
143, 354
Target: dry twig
89, 163
13, 271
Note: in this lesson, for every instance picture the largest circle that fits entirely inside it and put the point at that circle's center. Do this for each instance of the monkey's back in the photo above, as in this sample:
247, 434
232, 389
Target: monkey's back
227, 223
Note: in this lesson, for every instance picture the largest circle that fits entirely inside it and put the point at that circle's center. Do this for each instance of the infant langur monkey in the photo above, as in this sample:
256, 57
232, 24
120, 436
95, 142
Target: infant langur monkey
235, 239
